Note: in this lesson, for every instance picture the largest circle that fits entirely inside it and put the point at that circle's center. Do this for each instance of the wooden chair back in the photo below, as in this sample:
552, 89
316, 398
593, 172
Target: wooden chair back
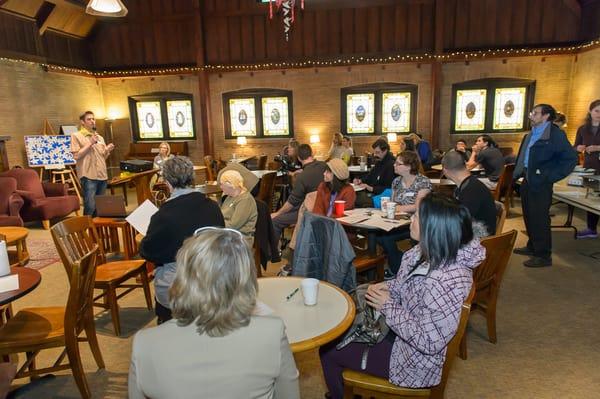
488, 274
267, 187
500, 216
74, 238
81, 301
273, 165
262, 162
505, 183
211, 174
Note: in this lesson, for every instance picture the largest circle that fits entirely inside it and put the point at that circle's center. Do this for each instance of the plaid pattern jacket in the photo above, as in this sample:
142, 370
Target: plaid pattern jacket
424, 311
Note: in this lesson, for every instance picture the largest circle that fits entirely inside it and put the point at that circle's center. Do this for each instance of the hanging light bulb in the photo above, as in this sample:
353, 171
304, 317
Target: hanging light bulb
106, 8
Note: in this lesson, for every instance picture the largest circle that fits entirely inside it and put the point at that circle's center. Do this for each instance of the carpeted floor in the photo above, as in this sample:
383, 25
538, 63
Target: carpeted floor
42, 252
548, 340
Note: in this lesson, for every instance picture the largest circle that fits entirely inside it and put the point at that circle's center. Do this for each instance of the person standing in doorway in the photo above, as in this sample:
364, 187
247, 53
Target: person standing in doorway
90, 153
545, 157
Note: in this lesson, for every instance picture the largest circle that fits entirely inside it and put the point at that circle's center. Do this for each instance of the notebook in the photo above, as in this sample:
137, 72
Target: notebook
110, 206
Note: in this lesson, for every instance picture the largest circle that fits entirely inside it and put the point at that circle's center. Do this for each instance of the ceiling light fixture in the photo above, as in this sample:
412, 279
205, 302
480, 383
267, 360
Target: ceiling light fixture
106, 8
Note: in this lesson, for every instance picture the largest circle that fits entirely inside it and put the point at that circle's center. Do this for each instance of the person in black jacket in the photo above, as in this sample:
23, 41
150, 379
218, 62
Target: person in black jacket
545, 157
379, 178
177, 219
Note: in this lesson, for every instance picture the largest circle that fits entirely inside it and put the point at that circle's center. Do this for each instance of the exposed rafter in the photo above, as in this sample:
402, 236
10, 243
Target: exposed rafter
41, 17
575, 6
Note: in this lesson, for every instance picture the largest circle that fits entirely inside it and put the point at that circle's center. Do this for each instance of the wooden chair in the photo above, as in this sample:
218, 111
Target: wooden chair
34, 329
267, 187
273, 165
500, 216
487, 279
366, 261
80, 232
504, 188
368, 386
211, 173
262, 162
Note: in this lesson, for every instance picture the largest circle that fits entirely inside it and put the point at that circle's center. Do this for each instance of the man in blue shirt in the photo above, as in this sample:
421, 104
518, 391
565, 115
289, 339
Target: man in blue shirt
545, 157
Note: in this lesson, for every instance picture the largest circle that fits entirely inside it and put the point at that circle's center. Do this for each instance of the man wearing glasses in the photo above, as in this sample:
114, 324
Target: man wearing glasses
545, 157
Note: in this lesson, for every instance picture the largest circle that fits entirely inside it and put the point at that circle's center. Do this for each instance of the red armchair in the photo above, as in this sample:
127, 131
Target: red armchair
42, 201
10, 203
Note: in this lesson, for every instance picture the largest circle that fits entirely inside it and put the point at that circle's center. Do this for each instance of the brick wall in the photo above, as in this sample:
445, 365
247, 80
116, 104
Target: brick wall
29, 95
585, 88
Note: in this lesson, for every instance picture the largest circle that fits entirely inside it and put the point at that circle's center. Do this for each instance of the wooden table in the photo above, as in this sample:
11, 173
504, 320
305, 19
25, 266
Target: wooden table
476, 169
29, 279
307, 327
242, 159
209, 189
141, 181
17, 236
574, 197
108, 232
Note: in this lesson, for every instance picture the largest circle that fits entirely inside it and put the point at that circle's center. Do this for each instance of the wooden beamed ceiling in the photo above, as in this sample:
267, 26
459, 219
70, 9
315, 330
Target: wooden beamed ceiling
165, 32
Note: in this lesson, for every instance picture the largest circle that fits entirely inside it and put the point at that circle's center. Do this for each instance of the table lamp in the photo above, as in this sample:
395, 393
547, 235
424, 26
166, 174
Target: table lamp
242, 141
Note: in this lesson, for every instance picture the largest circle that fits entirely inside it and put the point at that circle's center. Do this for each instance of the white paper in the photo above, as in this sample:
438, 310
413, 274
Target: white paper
140, 217
9, 283
262, 309
4, 263
373, 221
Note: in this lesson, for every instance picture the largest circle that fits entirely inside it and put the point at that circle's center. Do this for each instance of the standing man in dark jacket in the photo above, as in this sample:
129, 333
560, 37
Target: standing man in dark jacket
306, 181
379, 178
545, 157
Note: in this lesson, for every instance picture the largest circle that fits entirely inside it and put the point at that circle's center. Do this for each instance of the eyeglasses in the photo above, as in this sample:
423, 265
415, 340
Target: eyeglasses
534, 112
399, 163
209, 228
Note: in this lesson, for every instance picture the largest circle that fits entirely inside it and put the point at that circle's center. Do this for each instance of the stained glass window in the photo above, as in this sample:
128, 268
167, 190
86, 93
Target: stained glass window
275, 116
149, 120
242, 117
180, 118
360, 113
396, 113
470, 110
509, 108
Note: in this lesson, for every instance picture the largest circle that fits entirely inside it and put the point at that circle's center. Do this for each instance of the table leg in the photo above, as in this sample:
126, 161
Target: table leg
142, 188
569, 222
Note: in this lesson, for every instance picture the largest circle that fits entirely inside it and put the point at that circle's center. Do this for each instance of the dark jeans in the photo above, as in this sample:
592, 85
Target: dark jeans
284, 220
90, 189
162, 313
334, 361
592, 221
536, 214
389, 244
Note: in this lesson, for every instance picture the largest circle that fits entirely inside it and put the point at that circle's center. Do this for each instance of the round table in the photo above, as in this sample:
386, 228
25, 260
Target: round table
307, 327
29, 279
17, 236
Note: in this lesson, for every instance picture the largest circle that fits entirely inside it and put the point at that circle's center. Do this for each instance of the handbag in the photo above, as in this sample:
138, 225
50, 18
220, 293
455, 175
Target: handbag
369, 326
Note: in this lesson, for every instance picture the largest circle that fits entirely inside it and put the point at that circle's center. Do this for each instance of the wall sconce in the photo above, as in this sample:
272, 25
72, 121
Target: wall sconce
392, 137
314, 139
241, 140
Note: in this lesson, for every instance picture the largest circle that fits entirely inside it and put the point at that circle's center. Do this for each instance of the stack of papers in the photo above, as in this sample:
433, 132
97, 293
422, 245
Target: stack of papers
371, 218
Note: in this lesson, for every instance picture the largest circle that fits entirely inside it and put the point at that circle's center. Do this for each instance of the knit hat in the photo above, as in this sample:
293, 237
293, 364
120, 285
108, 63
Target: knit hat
339, 168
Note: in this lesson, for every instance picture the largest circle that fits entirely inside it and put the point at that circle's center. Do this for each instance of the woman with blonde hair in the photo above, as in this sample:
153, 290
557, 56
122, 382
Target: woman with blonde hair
340, 148
164, 153
239, 208
215, 347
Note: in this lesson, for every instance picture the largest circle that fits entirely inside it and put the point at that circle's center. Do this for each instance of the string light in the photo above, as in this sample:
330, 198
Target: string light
399, 58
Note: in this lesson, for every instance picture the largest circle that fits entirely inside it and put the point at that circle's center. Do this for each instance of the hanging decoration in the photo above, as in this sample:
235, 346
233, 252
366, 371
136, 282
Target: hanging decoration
287, 7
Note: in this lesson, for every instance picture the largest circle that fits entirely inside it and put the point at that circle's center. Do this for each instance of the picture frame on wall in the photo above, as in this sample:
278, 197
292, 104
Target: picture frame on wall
509, 108
242, 117
470, 110
360, 113
179, 113
396, 111
275, 116
149, 120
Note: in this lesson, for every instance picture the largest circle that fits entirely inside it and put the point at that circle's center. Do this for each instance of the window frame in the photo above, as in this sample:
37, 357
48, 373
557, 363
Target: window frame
257, 94
161, 97
378, 89
490, 85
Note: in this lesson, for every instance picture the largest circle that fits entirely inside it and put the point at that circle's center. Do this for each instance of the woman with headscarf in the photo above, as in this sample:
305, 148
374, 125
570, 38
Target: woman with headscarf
239, 208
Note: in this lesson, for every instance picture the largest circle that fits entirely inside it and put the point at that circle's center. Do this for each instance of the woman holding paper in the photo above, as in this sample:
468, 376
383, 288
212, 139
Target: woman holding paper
185, 211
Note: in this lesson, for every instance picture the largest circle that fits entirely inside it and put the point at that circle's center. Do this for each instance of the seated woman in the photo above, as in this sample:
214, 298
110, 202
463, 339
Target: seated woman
215, 348
185, 211
421, 305
335, 187
164, 153
239, 208
341, 148
407, 190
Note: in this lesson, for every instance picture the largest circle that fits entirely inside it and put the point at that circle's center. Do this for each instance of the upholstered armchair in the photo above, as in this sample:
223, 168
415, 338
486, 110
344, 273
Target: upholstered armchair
10, 203
42, 201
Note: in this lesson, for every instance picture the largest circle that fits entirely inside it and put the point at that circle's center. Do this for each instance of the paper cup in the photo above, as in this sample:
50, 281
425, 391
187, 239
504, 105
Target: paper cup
384, 201
339, 207
390, 210
310, 291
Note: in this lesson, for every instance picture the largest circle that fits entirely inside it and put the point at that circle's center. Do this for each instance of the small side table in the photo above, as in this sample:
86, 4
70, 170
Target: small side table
17, 236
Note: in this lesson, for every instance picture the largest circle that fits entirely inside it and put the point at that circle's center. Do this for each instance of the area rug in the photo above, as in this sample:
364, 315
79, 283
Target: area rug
42, 253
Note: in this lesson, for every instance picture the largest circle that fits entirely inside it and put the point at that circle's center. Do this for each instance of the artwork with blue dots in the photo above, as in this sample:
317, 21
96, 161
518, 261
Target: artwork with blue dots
49, 150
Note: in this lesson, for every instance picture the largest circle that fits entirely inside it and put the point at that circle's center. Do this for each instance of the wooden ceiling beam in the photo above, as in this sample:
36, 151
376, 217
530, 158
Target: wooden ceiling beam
41, 17
574, 6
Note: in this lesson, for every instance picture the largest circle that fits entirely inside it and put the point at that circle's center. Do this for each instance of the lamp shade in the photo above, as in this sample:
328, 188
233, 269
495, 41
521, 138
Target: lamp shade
314, 138
106, 8
241, 140
392, 137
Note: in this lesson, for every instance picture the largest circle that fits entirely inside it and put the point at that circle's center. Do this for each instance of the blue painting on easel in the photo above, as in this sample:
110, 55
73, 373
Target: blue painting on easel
49, 151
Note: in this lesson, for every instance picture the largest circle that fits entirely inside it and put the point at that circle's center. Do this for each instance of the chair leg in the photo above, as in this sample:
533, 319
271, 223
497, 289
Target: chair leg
146, 287
90, 333
111, 296
490, 315
348, 392
31, 368
46, 224
77, 369
462, 350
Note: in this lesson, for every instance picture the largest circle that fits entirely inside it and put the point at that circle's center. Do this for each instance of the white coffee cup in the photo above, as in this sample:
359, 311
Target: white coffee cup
390, 209
363, 166
384, 200
310, 291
